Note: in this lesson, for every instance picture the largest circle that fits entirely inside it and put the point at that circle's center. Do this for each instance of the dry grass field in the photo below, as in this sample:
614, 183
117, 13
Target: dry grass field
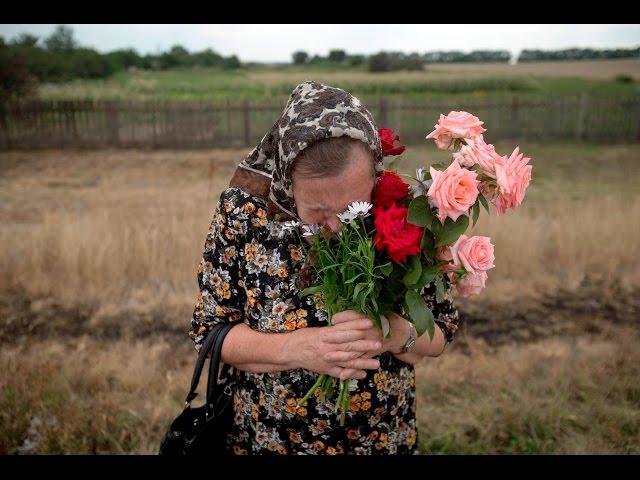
97, 282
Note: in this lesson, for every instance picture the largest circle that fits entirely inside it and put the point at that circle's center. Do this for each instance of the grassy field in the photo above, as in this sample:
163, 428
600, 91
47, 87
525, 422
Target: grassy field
437, 80
97, 283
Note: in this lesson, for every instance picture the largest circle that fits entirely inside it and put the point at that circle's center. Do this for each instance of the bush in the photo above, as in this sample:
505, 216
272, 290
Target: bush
300, 57
624, 78
16, 80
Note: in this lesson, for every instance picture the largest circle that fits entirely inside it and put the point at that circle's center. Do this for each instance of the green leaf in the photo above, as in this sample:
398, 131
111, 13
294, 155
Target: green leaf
476, 212
484, 202
439, 289
386, 268
436, 226
452, 230
428, 243
351, 280
419, 312
427, 276
358, 289
310, 291
420, 212
415, 269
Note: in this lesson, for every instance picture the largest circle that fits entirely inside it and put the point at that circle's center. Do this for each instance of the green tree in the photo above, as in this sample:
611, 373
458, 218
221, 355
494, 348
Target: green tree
124, 58
300, 57
232, 62
380, 62
25, 40
15, 78
337, 56
61, 41
207, 58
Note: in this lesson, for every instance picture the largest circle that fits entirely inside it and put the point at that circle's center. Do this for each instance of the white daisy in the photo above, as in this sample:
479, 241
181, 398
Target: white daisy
360, 209
310, 230
290, 226
347, 216
423, 185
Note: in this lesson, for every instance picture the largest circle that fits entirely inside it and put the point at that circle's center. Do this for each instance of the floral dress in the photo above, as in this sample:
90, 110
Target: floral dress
249, 271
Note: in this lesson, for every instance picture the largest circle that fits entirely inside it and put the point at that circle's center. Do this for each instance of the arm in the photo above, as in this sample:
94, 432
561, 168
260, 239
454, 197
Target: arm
222, 298
253, 351
447, 321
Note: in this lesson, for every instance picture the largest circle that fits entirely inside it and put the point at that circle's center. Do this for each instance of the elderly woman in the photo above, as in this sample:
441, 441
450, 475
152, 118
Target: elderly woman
322, 154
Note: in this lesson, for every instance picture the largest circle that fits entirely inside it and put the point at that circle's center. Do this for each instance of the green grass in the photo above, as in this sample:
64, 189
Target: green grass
275, 84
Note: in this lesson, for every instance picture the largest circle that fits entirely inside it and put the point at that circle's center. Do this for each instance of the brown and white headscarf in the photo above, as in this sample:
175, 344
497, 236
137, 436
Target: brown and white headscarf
314, 112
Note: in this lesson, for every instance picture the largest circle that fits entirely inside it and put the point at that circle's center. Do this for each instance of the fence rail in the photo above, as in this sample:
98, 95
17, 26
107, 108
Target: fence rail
99, 124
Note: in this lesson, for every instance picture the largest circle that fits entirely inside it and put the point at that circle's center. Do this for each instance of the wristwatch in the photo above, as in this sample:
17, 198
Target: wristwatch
411, 341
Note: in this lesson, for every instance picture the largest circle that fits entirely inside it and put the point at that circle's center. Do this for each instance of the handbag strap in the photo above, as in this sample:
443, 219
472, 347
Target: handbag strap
214, 365
202, 357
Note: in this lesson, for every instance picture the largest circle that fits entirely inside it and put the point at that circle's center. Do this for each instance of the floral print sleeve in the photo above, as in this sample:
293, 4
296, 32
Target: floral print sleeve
445, 313
221, 296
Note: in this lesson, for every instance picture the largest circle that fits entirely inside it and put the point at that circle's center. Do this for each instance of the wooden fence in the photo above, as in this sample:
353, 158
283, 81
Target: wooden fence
99, 124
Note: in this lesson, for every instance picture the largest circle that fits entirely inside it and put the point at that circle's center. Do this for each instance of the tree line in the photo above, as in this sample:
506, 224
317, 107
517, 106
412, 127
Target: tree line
393, 61
28, 60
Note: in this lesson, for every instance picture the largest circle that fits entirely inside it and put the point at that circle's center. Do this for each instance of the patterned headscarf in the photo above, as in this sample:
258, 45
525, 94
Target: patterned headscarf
314, 112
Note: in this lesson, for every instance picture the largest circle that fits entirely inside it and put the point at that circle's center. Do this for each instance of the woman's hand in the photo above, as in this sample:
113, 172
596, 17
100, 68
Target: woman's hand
342, 350
398, 330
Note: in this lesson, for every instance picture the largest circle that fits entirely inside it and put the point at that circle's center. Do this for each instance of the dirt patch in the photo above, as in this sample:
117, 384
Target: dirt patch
591, 309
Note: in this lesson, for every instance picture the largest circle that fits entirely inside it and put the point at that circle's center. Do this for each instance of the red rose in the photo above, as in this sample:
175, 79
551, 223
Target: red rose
390, 190
387, 139
394, 235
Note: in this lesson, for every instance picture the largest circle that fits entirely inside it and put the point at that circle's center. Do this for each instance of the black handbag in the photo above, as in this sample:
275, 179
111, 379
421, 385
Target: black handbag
203, 429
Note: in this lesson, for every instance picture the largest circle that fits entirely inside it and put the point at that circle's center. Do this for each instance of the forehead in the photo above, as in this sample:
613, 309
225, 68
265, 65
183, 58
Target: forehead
354, 183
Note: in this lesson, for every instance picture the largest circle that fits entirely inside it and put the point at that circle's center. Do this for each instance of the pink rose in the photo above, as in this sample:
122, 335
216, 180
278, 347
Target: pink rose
455, 125
480, 153
471, 284
453, 191
475, 253
513, 175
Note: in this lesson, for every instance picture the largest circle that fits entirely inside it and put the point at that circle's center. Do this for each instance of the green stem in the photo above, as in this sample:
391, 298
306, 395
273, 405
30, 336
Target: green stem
303, 401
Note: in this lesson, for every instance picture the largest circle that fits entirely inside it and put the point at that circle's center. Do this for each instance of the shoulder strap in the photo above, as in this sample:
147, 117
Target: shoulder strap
202, 357
214, 365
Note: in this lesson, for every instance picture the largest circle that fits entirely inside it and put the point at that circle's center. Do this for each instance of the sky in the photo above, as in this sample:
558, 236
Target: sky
276, 43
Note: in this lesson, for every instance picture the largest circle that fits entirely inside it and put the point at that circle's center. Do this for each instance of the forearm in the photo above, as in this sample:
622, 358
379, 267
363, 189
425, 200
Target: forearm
425, 346
259, 352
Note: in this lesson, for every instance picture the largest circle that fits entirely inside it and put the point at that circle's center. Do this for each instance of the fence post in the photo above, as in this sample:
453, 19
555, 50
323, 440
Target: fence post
383, 112
112, 124
638, 133
70, 119
247, 124
4, 126
582, 111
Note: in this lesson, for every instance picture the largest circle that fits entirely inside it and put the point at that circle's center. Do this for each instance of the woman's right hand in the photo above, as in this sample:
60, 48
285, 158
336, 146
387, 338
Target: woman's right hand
313, 345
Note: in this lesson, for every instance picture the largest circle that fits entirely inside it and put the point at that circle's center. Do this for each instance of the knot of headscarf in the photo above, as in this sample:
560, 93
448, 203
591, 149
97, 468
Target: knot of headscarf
313, 112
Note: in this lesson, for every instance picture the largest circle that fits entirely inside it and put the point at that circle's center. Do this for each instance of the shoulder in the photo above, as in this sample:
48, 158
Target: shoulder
239, 213
235, 201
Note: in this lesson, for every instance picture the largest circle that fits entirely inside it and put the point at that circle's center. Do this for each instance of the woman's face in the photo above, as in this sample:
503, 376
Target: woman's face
319, 200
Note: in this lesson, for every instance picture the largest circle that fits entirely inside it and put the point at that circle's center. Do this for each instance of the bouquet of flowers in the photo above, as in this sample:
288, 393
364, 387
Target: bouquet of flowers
386, 253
